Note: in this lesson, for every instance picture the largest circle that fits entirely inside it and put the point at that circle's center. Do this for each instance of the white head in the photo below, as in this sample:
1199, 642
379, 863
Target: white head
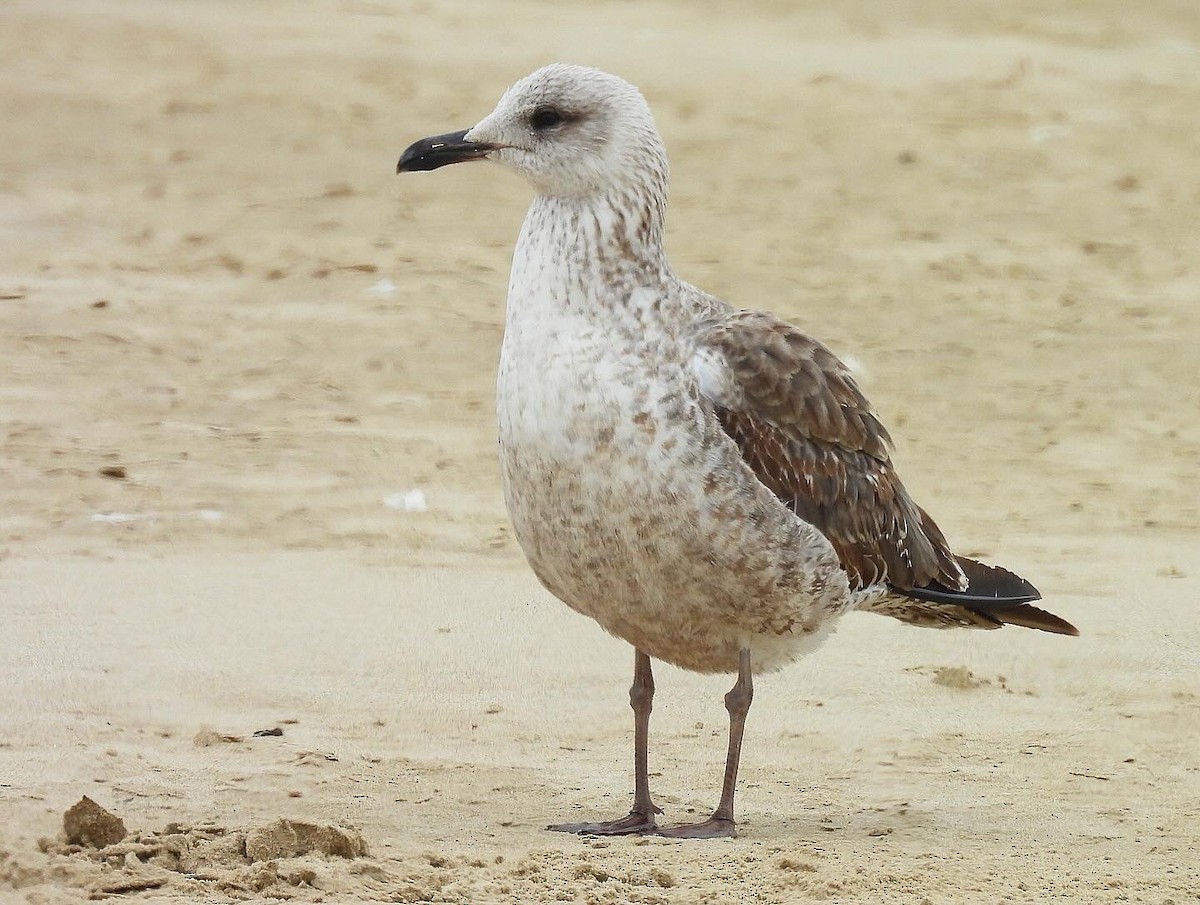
572, 131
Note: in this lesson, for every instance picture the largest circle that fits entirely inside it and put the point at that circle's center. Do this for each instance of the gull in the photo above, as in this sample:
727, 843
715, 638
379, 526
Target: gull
707, 483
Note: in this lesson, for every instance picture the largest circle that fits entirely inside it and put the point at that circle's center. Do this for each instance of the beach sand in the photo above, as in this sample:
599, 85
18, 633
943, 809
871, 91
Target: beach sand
235, 346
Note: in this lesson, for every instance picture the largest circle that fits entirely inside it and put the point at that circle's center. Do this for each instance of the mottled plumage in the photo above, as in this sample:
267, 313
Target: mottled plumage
706, 483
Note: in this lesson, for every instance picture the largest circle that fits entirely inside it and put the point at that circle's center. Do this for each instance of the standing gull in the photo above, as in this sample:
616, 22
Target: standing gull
708, 484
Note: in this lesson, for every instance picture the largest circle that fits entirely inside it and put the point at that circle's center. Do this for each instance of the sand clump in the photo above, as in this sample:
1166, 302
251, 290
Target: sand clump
87, 824
292, 838
95, 852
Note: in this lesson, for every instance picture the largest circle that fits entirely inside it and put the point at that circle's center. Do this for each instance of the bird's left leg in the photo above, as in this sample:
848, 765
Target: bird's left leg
641, 818
737, 702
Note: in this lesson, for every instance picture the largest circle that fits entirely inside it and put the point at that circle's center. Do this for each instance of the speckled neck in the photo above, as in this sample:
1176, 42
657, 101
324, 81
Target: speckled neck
570, 247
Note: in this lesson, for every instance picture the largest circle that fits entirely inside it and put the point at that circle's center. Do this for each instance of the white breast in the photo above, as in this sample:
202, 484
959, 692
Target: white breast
630, 503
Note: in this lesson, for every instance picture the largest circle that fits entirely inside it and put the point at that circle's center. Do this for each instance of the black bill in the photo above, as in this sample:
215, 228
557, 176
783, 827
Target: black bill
441, 150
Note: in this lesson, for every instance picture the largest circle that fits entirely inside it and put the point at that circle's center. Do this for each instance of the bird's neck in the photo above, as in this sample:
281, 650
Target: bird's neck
590, 256
628, 226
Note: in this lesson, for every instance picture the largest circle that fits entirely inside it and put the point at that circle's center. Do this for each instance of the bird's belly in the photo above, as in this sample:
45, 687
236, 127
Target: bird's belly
630, 514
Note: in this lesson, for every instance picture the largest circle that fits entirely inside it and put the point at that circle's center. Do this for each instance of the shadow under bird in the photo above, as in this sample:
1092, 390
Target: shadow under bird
707, 483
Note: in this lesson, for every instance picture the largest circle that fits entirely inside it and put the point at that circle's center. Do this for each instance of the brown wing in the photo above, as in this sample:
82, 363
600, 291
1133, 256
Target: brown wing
810, 436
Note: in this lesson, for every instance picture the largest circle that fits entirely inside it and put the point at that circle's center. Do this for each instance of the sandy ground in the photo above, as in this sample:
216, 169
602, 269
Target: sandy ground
228, 334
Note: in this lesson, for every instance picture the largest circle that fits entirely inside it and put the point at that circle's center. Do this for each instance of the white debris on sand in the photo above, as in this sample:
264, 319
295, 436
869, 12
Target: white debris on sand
406, 500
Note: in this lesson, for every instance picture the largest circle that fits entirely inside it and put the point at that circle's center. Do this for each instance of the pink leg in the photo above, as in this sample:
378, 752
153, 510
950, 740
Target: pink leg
641, 818
737, 702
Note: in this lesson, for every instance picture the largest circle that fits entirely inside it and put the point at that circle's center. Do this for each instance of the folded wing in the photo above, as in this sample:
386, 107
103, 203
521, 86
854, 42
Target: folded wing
808, 433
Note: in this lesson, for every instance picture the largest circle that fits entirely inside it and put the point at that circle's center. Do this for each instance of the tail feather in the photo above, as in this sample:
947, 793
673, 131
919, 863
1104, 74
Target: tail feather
1031, 617
994, 595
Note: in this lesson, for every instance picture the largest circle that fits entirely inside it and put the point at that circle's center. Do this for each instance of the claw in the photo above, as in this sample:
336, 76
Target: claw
712, 828
634, 824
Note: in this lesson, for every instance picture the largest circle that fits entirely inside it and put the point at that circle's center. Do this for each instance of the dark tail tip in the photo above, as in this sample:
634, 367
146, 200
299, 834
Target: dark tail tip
998, 594
1031, 617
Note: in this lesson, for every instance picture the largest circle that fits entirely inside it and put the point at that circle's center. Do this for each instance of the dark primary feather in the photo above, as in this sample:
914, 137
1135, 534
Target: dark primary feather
808, 433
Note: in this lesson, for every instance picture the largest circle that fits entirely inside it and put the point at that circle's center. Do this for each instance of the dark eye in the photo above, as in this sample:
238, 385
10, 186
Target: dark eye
544, 118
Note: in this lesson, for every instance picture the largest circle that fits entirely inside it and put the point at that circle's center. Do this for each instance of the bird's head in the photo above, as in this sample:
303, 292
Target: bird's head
571, 131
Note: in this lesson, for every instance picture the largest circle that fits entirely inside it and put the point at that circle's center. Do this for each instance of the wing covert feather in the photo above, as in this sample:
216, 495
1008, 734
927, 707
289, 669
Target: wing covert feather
810, 436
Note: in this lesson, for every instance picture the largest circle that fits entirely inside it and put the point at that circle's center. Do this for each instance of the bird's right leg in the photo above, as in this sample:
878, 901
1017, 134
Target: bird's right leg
641, 818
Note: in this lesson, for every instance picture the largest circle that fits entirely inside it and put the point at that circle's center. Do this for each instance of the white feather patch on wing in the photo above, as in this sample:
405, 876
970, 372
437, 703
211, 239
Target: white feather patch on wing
714, 378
